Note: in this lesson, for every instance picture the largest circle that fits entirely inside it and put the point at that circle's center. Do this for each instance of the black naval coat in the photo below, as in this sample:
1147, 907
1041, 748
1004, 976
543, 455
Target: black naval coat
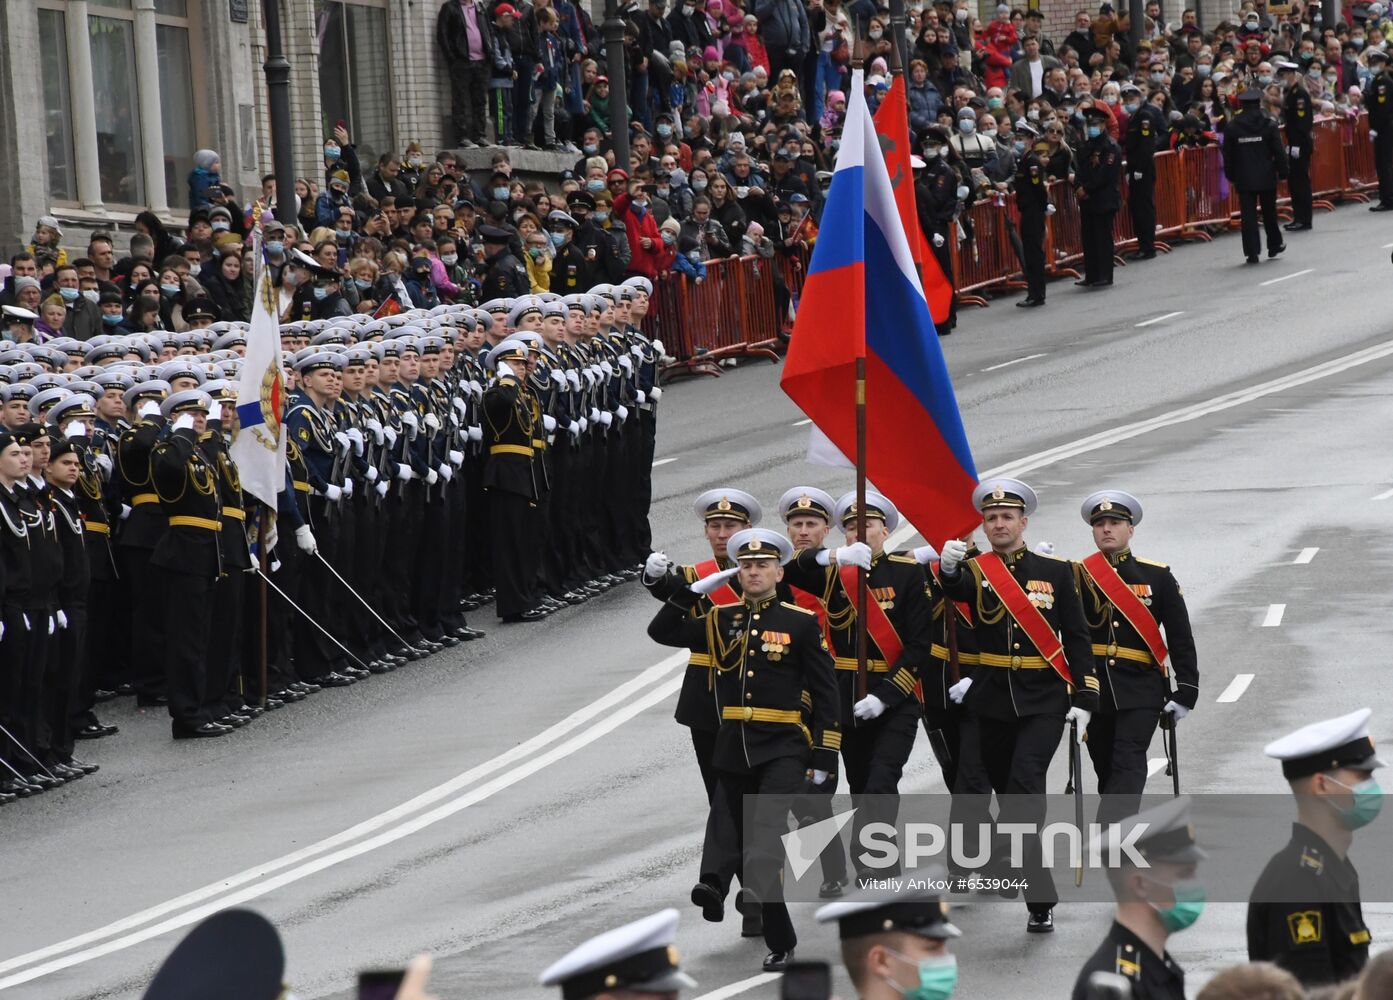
694, 699
1152, 976
1304, 914
1128, 674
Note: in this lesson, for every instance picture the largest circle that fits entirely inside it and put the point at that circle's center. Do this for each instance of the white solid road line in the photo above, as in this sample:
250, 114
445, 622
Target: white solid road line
617, 700
662, 461
740, 987
1008, 364
1305, 556
803, 423
1158, 319
1235, 690
1155, 766
1384, 495
1285, 277
1274, 615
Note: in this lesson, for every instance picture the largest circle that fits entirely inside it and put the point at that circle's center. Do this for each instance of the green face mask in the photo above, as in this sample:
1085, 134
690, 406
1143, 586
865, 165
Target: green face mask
1368, 801
938, 976
1189, 904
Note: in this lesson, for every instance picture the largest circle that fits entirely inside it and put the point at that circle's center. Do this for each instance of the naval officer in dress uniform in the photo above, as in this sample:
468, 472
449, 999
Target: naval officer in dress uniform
637, 960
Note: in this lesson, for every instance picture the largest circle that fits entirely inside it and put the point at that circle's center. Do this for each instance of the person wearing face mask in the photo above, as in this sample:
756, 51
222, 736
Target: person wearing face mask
1298, 113
1378, 98
1098, 187
1254, 160
1155, 901
1146, 130
895, 944
938, 193
1305, 913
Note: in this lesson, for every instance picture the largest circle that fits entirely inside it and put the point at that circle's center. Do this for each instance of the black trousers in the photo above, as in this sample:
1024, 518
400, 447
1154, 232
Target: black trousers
469, 86
1016, 754
188, 608
1141, 206
1383, 163
146, 589
1248, 203
725, 832
643, 489
873, 756
970, 809
105, 637
1033, 255
944, 256
63, 685
1117, 744
17, 653
404, 505
432, 546
225, 693
1299, 184
514, 571
1097, 245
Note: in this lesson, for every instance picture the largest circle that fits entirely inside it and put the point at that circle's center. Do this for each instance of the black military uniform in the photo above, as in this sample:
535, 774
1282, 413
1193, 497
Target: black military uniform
1298, 113
1017, 699
1305, 913
1133, 687
765, 655
505, 276
1253, 162
1143, 137
944, 719
1033, 199
936, 200
1098, 186
511, 481
1167, 843
1378, 98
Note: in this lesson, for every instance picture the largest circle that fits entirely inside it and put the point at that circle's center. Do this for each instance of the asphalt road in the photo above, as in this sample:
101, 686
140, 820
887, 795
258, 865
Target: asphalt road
502, 801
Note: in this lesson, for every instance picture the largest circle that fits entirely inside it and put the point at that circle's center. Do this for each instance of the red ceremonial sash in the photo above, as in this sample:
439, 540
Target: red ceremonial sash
877, 621
1027, 615
810, 602
1125, 600
722, 596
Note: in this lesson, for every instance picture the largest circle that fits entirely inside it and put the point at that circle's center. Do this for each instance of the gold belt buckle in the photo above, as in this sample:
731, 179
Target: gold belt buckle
1112, 649
1015, 663
749, 713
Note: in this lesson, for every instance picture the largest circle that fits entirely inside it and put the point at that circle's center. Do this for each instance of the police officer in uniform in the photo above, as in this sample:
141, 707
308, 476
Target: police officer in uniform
1035, 669
1098, 188
766, 654
1305, 913
1033, 200
639, 959
505, 277
1378, 98
1153, 903
1134, 689
1144, 136
1254, 160
936, 199
1298, 114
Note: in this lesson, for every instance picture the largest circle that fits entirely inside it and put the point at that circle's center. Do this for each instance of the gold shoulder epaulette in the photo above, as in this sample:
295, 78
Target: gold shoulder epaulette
794, 607
897, 557
1151, 562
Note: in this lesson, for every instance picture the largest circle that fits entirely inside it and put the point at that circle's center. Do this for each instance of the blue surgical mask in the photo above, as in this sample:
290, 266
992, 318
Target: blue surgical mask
221, 227
1018, 146
694, 256
275, 247
938, 977
1131, 107
170, 289
594, 185
363, 283
449, 259
1094, 131
501, 193
664, 131
1203, 69
669, 238
320, 293
1189, 904
995, 103
590, 149
110, 320
601, 216
557, 239
1368, 801
966, 126
698, 186
69, 294
331, 153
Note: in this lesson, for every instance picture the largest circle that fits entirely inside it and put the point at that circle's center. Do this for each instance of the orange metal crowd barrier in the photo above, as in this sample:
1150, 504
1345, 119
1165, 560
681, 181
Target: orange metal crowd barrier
737, 311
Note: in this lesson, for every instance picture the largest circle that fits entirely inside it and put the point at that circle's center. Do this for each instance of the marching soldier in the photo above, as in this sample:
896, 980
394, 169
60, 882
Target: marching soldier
1305, 913
757, 693
1035, 666
1098, 188
1254, 161
1128, 603
1298, 117
1153, 902
638, 959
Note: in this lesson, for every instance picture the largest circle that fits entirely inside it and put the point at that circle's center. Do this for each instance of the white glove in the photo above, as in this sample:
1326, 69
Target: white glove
2, 630
819, 777
148, 408
125, 511
75, 429
404, 473
1177, 710
27, 626
1295, 152
658, 348
356, 436
454, 419
476, 389
409, 420
275, 565
963, 192
574, 428
622, 413
51, 625
559, 377
548, 422
958, 691
594, 415
1081, 716
432, 421
371, 474
938, 239
391, 435
1045, 548
62, 617
954, 551
925, 554
382, 488
348, 487
333, 492
641, 396
1136, 175
606, 418
626, 362
1373, 134
459, 406
183, 422
655, 393
378, 434
476, 433
606, 367
656, 565
573, 377
304, 538
636, 351
855, 554
432, 477
104, 463
456, 457
446, 473
868, 707
709, 583
1049, 209
345, 445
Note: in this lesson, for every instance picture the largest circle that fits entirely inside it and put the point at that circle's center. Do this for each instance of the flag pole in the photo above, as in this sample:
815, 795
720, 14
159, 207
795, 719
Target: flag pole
262, 558
861, 574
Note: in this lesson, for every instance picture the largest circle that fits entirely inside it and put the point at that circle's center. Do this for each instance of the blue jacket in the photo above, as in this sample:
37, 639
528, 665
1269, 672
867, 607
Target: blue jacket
200, 181
924, 104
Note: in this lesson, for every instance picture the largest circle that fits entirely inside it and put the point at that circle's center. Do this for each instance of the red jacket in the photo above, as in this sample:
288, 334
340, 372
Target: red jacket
641, 261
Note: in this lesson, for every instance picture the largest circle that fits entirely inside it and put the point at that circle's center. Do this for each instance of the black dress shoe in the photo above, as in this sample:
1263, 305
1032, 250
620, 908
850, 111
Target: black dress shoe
101, 694
44, 781
19, 789
1029, 303
467, 634
1041, 923
1083, 282
274, 702
708, 897
233, 720
95, 731
777, 961
307, 687
1274, 251
151, 701
830, 889
1381, 208
122, 690
356, 673
85, 767
208, 730
67, 772
6, 798
1104, 283
379, 667
1297, 227
531, 615
335, 680
287, 695
251, 711
1252, 259
447, 640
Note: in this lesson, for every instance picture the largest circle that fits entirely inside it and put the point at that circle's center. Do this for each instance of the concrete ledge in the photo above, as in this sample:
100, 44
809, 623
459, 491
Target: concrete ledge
528, 162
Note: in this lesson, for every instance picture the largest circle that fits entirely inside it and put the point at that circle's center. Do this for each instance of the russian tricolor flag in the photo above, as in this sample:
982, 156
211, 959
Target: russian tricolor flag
863, 297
